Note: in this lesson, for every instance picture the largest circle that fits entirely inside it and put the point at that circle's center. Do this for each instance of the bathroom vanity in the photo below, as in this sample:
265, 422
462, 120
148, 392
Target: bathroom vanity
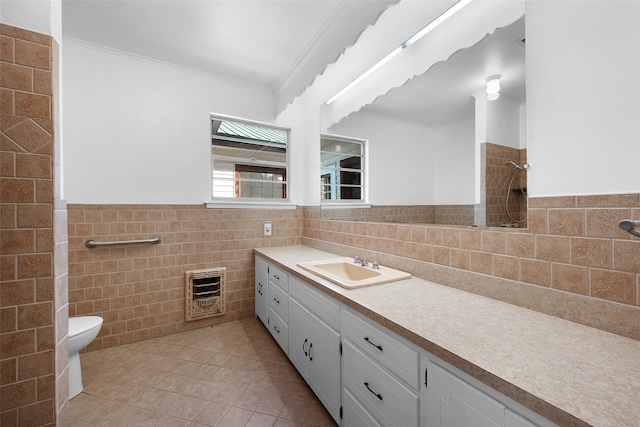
415, 353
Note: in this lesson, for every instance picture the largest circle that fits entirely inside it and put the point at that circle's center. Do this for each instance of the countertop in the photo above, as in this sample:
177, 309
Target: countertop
567, 372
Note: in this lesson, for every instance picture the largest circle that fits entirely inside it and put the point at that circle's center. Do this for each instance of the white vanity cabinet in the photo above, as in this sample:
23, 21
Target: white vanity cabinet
261, 291
314, 344
272, 298
380, 373
452, 402
452, 398
368, 376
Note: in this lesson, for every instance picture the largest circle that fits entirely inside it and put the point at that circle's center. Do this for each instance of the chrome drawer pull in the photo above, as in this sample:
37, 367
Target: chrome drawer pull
375, 345
275, 328
276, 300
305, 351
378, 395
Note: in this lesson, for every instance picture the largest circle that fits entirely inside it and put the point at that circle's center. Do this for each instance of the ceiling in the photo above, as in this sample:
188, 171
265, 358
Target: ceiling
444, 94
279, 44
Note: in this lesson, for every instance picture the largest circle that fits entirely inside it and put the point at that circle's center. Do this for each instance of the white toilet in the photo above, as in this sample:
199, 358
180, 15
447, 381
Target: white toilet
82, 330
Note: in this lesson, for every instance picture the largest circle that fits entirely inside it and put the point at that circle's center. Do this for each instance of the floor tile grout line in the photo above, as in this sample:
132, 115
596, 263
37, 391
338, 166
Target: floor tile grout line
186, 341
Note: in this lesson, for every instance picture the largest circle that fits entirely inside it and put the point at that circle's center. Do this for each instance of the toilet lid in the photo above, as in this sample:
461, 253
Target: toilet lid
78, 325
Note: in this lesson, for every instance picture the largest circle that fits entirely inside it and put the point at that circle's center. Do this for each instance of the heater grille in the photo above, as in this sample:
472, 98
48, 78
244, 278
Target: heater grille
204, 293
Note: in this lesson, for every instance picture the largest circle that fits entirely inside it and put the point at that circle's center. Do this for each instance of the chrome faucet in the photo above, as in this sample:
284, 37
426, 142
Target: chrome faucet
375, 265
361, 261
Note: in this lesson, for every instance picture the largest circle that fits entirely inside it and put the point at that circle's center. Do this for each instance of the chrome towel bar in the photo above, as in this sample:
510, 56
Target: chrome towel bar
93, 244
629, 226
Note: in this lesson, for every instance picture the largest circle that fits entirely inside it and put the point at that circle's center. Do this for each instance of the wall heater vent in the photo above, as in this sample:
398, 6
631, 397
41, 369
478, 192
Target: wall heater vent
204, 293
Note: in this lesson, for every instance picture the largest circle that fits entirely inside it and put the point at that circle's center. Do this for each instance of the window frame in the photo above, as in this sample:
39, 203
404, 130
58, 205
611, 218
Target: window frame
364, 181
253, 202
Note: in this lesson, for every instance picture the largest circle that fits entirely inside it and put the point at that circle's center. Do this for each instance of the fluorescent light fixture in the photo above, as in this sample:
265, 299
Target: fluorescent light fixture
414, 38
439, 20
366, 74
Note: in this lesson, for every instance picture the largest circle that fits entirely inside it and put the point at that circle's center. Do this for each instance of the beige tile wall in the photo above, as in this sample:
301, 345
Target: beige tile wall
139, 289
573, 261
424, 214
454, 214
32, 234
497, 178
384, 213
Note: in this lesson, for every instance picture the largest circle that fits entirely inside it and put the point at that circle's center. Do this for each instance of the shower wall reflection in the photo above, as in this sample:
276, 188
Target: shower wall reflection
504, 186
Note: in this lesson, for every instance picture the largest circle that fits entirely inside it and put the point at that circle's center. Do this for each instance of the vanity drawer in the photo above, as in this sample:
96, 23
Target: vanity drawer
279, 330
322, 306
279, 302
382, 347
279, 277
354, 414
386, 398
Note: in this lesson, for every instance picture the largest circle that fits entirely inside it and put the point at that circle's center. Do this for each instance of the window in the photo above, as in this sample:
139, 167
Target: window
249, 159
341, 168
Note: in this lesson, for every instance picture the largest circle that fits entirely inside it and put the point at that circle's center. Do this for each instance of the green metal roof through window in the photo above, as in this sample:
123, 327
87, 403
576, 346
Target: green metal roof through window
249, 131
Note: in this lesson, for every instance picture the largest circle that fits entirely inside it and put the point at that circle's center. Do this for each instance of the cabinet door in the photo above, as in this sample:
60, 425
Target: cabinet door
262, 284
299, 339
511, 419
452, 402
315, 351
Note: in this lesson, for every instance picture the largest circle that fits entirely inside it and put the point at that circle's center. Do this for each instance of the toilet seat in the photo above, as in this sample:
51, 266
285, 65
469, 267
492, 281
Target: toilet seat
79, 325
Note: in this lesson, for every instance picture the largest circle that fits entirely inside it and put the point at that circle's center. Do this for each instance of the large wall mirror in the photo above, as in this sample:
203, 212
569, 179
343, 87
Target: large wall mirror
439, 151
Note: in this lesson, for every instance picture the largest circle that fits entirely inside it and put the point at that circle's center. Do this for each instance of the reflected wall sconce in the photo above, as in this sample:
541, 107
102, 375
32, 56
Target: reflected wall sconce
493, 87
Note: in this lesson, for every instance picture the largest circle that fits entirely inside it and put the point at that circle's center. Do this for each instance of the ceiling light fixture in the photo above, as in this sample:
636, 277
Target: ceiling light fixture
493, 87
414, 38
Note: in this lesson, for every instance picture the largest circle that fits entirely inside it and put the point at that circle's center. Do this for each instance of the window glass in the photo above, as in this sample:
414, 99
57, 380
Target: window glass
341, 168
249, 159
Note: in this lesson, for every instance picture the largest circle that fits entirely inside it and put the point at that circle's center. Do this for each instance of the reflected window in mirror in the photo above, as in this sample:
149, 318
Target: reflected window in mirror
342, 169
249, 159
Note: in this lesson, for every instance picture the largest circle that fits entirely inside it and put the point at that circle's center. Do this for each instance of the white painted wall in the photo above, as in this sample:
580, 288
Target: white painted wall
41, 16
503, 123
137, 131
453, 163
400, 158
583, 97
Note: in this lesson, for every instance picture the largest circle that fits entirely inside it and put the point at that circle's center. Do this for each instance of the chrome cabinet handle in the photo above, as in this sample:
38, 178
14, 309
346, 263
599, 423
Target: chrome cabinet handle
276, 300
305, 351
260, 288
275, 328
310, 346
426, 377
378, 395
372, 343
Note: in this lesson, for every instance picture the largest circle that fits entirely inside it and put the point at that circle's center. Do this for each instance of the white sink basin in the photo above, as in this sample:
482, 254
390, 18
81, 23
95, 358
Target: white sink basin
344, 272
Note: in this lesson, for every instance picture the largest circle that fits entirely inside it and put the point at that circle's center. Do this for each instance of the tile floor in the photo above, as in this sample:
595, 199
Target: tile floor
233, 374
